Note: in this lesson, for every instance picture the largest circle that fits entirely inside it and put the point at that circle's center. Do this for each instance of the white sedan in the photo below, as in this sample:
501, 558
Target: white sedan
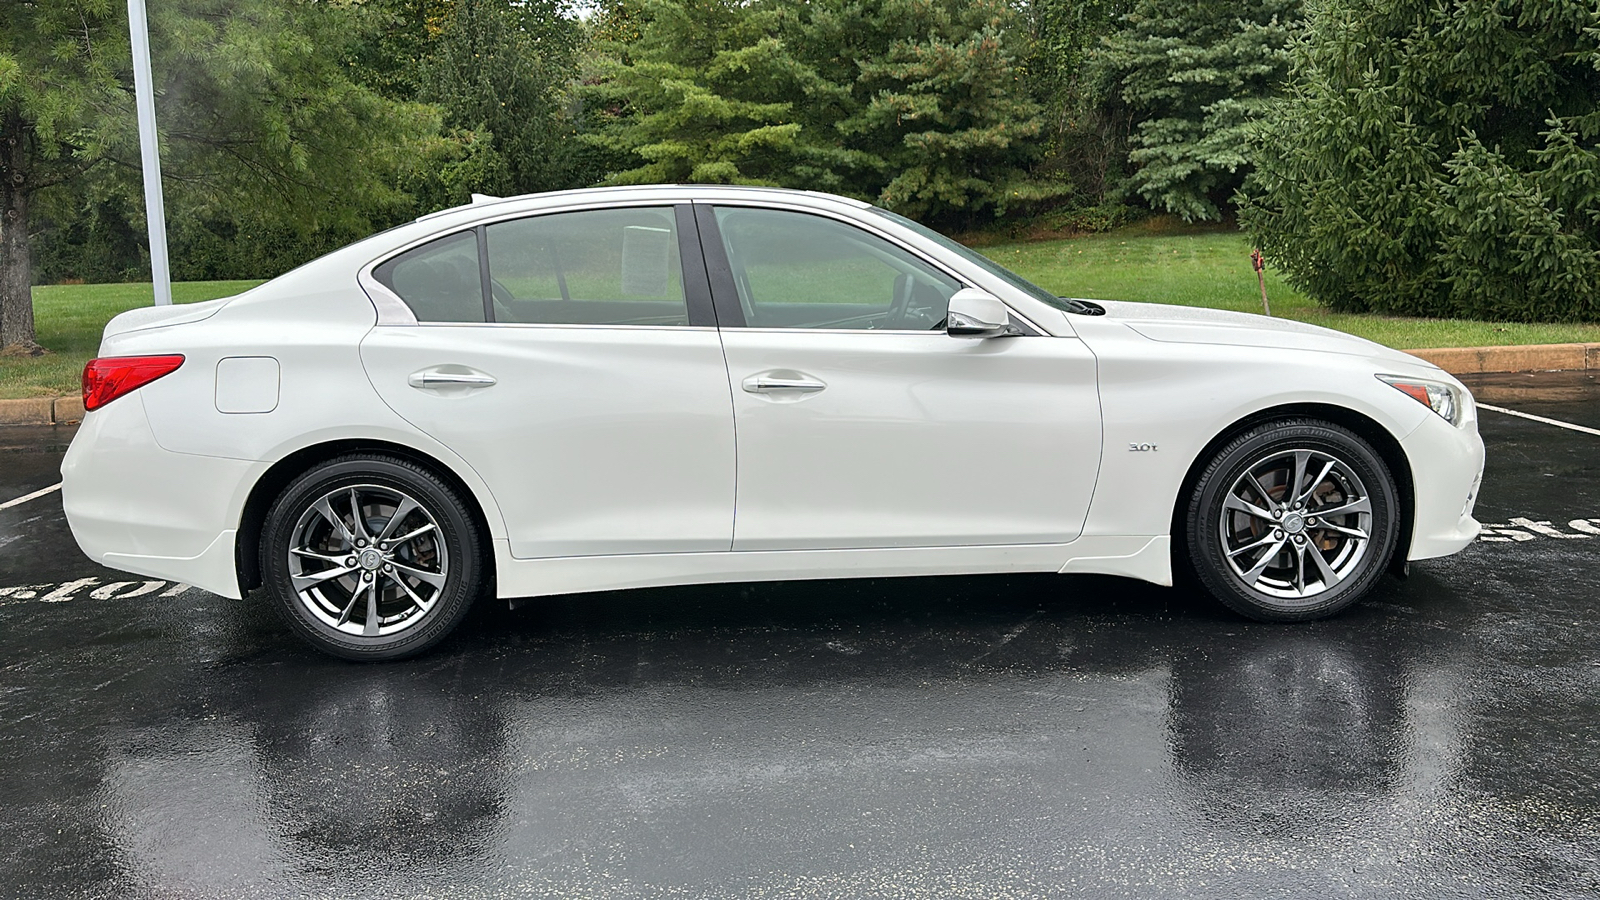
627, 387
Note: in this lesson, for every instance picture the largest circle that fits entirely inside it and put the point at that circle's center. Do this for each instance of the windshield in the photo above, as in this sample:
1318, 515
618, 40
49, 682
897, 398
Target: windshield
988, 265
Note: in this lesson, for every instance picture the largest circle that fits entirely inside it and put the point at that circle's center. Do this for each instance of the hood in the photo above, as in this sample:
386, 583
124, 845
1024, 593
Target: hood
158, 316
1198, 325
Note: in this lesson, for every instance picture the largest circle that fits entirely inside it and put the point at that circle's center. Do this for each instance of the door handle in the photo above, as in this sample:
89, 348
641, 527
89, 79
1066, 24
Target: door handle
435, 378
768, 384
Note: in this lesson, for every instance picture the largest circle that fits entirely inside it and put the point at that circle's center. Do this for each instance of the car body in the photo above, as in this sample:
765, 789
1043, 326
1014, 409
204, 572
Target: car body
666, 396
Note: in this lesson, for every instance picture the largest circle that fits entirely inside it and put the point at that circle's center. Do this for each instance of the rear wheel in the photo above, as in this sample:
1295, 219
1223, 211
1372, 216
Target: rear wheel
1293, 520
369, 557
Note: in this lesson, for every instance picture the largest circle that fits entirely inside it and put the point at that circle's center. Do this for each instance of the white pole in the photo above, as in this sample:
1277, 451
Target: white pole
155, 208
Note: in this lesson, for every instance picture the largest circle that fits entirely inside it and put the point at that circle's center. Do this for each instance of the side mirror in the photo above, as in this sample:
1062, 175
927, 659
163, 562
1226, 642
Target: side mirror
978, 314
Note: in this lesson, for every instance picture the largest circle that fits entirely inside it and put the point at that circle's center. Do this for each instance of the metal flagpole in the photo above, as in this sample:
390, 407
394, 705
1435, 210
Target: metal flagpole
155, 207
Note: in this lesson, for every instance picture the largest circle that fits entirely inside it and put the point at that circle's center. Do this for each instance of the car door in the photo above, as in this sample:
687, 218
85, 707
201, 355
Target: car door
861, 423
571, 358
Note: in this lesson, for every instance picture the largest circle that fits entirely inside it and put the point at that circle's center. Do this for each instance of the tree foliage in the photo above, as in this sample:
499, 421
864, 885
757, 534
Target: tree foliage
702, 91
1195, 74
915, 104
500, 73
259, 121
1085, 121
937, 107
1439, 159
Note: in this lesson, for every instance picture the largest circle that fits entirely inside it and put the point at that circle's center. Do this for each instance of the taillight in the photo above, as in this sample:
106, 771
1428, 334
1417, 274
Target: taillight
104, 380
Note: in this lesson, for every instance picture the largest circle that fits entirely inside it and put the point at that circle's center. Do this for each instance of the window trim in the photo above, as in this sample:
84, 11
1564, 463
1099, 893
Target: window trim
725, 293
484, 281
697, 293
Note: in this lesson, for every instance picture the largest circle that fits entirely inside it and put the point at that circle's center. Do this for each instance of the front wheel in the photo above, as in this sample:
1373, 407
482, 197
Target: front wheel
371, 558
1293, 520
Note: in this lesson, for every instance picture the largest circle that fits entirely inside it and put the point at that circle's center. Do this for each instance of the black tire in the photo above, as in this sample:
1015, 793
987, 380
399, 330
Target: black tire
1227, 545
413, 613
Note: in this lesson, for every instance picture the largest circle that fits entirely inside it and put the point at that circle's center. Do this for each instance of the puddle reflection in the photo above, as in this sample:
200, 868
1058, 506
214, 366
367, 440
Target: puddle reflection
632, 757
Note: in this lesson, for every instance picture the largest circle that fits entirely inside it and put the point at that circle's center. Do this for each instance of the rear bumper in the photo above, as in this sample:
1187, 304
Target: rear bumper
135, 506
1446, 471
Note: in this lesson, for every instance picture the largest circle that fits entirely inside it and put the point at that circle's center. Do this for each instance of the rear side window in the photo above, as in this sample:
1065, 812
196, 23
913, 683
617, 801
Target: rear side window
440, 280
592, 267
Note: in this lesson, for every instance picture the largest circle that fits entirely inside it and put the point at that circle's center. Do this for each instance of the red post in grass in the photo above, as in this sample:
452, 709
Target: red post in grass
1261, 276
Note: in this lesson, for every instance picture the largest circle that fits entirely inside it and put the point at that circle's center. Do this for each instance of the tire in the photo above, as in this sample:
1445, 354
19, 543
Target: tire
1252, 549
320, 563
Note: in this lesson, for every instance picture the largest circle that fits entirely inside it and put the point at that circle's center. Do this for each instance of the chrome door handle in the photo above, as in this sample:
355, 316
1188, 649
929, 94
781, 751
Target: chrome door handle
766, 384
428, 378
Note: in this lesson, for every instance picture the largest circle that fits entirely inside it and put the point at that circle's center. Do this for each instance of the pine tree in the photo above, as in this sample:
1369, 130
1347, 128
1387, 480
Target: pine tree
915, 104
938, 120
699, 91
1439, 159
1195, 74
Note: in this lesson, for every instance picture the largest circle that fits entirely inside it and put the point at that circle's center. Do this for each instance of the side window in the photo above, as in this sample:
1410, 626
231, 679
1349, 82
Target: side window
440, 280
794, 270
595, 267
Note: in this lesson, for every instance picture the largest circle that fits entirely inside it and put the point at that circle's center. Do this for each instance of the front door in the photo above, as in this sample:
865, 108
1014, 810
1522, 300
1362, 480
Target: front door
862, 424
562, 357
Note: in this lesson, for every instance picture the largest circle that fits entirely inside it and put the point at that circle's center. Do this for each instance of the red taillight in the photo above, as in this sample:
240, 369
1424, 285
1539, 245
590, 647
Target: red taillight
104, 380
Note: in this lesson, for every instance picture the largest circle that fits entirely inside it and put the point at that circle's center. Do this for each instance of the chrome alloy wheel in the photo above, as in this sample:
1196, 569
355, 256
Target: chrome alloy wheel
367, 560
1296, 523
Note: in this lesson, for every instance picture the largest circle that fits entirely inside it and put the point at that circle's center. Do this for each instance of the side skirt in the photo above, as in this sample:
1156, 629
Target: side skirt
1145, 557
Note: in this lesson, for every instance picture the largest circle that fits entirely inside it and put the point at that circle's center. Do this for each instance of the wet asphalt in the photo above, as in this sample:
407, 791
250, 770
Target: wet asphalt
939, 737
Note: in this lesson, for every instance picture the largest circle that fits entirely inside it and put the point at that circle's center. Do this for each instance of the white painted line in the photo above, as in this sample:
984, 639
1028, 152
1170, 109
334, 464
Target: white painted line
1510, 412
57, 486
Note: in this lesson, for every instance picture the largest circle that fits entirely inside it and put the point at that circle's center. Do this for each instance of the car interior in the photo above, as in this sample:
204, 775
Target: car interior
622, 267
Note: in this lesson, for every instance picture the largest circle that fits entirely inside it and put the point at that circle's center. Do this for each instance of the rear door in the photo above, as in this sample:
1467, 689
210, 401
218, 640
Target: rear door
572, 359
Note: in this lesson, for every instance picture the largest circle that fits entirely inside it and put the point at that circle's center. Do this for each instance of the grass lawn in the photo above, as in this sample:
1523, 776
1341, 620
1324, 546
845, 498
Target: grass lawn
69, 319
1151, 262
1196, 267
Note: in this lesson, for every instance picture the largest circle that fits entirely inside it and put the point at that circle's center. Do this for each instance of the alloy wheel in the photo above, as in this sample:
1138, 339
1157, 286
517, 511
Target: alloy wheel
367, 560
1296, 523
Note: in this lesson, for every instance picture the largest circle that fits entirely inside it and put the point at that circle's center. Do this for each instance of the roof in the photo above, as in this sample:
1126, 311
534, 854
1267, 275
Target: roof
683, 191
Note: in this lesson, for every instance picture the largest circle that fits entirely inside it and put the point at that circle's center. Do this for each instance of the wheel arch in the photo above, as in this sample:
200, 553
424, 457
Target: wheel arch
1368, 429
277, 477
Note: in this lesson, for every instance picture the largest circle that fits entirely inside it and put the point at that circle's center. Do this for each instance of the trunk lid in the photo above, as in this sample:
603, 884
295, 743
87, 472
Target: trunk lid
160, 316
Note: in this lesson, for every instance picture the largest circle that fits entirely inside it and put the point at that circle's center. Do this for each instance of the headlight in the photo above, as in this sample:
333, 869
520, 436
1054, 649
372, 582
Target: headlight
1449, 401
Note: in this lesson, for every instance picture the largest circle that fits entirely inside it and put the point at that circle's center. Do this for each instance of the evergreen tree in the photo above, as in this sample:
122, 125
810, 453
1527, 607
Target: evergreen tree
1439, 159
915, 104
938, 119
1195, 74
702, 91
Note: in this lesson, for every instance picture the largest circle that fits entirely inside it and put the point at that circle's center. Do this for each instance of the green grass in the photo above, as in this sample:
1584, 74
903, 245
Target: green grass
69, 319
1152, 262
1209, 267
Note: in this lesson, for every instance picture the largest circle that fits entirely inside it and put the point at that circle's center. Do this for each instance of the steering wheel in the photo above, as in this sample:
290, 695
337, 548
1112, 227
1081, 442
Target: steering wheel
903, 289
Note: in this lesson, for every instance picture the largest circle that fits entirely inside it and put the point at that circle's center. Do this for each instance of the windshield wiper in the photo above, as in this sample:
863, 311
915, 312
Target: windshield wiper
1082, 307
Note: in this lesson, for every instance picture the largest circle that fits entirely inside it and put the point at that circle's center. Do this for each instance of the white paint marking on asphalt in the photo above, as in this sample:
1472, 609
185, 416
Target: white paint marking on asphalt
73, 590
1521, 415
57, 486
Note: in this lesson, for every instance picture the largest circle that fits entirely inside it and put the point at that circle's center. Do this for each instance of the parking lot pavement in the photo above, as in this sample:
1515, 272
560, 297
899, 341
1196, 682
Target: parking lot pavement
955, 737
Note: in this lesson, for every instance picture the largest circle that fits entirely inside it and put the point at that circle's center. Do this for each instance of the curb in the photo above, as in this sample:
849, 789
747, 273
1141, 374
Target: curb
1455, 360
42, 411
1524, 358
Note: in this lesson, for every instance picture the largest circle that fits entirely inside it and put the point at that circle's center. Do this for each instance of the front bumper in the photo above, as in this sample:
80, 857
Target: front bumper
1446, 472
